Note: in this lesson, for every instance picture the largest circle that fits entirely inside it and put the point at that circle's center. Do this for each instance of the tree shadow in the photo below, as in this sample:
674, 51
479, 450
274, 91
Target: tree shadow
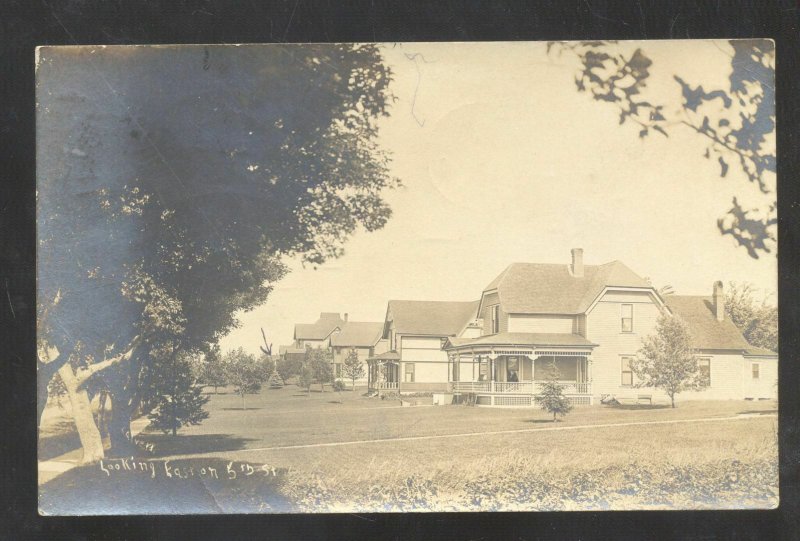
58, 444
757, 412
166, 445
540, 421
638, 407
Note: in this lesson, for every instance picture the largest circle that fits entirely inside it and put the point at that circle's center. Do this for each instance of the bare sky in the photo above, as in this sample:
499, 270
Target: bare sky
502, 160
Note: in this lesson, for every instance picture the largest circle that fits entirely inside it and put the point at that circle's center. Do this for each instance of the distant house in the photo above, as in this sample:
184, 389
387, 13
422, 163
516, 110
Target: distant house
340, 336
588, 319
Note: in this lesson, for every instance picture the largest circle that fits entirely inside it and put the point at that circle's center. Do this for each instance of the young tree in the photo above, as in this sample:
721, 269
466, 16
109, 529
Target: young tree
667, 359
305, 378
757, 321
319, 361
551, 395
244, 372
289, 366
212, 369
353, 368
180, 400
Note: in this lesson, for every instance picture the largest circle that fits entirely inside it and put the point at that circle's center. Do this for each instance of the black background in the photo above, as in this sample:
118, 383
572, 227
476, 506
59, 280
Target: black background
25, 24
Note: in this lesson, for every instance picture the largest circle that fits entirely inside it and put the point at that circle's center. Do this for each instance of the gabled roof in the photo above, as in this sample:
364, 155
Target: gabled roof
707, 332
440, 318
358, 334
541, 288
327, 322
523, 339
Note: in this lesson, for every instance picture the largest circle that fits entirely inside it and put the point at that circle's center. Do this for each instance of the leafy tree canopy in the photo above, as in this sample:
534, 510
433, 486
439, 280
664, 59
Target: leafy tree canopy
172, 180
667, 359
735, 123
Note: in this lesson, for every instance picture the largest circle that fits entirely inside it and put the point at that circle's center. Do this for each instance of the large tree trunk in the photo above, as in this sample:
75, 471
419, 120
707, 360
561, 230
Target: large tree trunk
89, 434
119, 426
125, 399
44, 374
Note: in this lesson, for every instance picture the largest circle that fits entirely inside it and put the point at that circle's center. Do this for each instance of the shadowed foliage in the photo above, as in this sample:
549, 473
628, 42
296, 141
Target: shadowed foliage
736, 124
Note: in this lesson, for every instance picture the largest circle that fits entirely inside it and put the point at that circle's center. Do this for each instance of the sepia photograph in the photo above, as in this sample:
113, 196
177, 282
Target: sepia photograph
407, 277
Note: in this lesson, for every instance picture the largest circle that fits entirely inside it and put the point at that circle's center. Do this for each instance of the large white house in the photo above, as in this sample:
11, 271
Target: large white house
589, 319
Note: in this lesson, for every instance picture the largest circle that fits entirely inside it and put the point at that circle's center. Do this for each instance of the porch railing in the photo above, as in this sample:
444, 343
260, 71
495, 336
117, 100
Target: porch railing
387, 385
522, 387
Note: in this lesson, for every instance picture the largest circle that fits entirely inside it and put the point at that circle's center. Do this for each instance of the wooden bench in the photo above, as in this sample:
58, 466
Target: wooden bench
647, 397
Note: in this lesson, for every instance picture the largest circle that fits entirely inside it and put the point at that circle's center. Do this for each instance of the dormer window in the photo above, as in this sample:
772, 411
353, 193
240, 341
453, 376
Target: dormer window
495, 311
627, 317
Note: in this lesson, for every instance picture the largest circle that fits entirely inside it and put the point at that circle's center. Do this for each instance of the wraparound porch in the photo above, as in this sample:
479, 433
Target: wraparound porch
492, 371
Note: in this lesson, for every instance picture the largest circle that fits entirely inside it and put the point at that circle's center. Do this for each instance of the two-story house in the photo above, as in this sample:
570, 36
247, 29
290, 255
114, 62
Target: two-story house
341, 337
587, 319
415, 333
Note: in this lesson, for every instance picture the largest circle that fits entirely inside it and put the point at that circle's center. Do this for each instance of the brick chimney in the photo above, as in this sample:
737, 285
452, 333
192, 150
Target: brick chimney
577, 262
719, 301
345, 317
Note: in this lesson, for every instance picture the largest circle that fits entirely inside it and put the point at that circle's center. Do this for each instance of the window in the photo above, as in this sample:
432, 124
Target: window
409, 373
495, 313
627, 318
704, 368
756, 370
627, 373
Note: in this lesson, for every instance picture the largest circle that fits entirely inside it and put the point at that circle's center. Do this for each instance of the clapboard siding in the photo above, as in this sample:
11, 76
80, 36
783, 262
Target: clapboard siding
603, 327
540, 323
421, 342
489, 300
766, 385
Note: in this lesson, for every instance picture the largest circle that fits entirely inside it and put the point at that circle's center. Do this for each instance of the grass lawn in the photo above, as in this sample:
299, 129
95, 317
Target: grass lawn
726, 463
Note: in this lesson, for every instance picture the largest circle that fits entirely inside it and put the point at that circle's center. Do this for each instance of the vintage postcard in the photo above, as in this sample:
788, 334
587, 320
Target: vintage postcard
375, 277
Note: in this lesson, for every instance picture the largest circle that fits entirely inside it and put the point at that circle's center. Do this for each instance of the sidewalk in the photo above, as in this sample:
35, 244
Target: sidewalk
50, 469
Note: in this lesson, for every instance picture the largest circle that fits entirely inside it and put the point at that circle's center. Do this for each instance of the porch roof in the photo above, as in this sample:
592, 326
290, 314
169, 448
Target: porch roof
521, 339
386, 356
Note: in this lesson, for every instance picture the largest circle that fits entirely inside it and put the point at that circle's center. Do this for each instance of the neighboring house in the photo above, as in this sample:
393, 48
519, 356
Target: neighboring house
292, 352
735, 369
588, 319
340, 336
318, 334
360, 336
415, 332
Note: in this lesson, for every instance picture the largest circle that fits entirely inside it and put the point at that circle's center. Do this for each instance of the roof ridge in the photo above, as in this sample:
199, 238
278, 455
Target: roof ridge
416, 300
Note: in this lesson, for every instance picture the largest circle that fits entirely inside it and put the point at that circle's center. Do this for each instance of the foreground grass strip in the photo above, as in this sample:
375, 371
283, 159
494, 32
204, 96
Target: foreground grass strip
494, 432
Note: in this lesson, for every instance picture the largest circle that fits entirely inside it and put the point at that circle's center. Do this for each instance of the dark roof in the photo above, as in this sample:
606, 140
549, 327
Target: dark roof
707, 332
319, 330
386, 356
760, 352
441, 318
540, 288
524, 339
358, 334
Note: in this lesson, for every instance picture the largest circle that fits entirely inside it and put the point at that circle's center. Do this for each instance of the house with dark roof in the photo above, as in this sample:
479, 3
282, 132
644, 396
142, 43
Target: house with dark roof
341, 336
588, 320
